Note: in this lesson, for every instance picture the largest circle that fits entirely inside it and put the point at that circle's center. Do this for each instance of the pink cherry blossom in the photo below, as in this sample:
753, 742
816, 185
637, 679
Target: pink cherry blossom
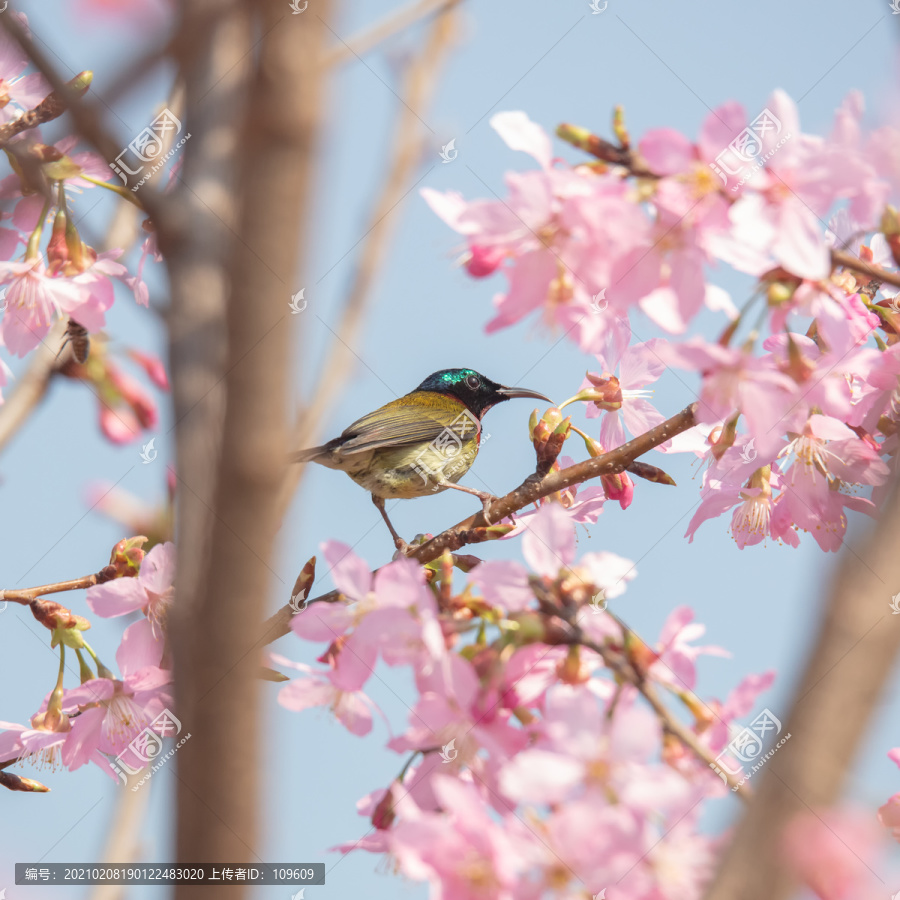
677, 657
835, 853
34, 300
461, 851
736, 381
638, 366
111, 713
34, 744
353, 709
151, 591
826, 456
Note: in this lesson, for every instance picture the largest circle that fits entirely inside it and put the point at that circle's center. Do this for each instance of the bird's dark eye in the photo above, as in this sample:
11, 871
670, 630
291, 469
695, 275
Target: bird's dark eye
472, 381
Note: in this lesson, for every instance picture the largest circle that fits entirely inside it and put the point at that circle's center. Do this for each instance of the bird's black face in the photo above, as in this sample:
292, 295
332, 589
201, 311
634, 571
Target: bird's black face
477, 392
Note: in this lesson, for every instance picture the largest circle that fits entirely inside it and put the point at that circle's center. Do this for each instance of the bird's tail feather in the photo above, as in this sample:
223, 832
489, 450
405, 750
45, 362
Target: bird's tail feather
302, 456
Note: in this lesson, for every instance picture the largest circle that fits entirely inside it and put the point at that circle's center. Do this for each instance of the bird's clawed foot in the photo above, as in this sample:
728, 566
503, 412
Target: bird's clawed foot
399, 543
485, 498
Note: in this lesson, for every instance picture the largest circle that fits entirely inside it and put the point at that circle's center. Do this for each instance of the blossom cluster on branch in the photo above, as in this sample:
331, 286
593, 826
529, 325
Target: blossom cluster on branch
798, 403
99, 719
47, 270
534, 763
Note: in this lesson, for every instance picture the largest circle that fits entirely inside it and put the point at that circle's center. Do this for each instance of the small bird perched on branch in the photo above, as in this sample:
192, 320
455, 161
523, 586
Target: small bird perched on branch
422, 443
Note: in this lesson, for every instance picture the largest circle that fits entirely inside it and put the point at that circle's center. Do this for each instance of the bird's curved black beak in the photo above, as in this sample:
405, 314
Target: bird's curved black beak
514, 393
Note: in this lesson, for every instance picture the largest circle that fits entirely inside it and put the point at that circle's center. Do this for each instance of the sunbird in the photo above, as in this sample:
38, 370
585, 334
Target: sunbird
419, 444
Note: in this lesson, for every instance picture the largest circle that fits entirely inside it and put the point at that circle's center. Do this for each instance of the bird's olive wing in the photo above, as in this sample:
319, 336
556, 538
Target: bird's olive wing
405, 424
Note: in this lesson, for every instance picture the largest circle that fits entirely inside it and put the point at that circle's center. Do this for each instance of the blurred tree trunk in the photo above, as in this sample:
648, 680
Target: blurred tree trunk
850, 663
232, 239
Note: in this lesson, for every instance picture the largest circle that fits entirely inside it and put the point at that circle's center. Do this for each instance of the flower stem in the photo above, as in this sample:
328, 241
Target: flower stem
102, 671
34, 242
122, 192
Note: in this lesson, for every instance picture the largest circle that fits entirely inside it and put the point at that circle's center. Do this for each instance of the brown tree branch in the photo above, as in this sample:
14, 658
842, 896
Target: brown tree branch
849, 261
32, 387
475, 529
85, 116
26, 595
50, 108
845, 677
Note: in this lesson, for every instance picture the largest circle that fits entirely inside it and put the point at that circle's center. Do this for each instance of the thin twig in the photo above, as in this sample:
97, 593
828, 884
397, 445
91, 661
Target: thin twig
407, 143
361, 43
627, 672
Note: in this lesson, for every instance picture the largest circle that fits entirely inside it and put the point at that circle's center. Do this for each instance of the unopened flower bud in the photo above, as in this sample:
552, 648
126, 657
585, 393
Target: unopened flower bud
779, 293
383, 815
619, 129
57, 252
845, 280
890, 221
127, 556
52, 615
722, 438
618, 487
890, 225
483, 261
639, 654
548, 437
650, 473
303, 585
153, 366
19, 783
571, 669
799, 367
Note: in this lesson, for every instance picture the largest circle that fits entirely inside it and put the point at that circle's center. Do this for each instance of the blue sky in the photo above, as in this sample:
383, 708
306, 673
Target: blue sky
668, 64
